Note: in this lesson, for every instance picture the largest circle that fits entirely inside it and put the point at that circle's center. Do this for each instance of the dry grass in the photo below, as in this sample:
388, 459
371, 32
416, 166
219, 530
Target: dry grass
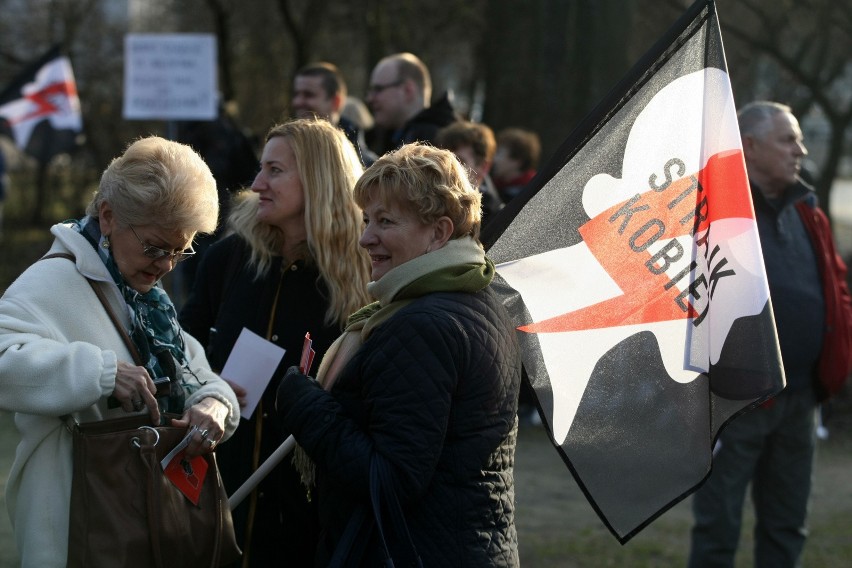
558, 528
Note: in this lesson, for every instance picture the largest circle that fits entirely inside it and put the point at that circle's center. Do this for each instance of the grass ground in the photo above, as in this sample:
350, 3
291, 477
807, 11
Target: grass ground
558, 528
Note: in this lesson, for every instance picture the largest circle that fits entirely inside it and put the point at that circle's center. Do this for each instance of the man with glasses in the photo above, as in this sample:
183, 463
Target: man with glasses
399, 96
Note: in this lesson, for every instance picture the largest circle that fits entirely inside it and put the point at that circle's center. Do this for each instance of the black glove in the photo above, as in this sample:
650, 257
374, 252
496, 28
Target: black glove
292, 384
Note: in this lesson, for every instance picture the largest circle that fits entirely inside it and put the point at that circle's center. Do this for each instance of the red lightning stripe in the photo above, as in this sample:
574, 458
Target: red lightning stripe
615, 238
43, 100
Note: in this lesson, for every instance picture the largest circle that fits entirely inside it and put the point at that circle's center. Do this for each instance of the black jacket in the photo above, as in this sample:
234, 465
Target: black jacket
433, 392
228, 297
425, 125
356, 137
795, 284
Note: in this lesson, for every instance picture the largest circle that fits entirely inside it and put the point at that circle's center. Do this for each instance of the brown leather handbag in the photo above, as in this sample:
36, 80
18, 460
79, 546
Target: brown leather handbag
126, 512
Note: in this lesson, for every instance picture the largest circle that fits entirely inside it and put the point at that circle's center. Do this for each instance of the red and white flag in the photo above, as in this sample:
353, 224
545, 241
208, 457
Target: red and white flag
632, 267
41, 107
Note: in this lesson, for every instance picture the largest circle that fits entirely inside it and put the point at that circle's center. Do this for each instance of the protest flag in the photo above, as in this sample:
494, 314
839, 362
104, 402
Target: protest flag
41, 107
632, 268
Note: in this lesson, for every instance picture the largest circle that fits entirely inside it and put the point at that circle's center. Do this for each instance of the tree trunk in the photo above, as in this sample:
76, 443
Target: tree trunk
548, 65
220, 24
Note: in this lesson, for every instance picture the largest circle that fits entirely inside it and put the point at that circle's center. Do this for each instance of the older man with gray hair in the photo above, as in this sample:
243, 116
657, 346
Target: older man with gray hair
772, 447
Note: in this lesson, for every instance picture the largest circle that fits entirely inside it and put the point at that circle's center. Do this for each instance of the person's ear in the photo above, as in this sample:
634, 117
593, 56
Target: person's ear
444, 228
337, 102
410, 89
106, 219
749, 144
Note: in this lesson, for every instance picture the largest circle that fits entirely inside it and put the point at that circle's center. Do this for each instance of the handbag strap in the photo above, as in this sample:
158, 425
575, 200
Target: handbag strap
350, 547
381, 486
137, 358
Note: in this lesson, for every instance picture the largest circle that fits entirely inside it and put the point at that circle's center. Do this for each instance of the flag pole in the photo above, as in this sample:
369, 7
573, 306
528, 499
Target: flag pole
286, 446
262, 471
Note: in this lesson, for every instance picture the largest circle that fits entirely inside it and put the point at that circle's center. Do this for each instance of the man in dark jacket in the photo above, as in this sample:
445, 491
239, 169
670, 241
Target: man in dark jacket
319, 90
772, 447
399, 96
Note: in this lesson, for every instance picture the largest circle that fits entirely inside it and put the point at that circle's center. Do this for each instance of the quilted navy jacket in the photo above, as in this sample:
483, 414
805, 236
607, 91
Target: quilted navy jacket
433, 391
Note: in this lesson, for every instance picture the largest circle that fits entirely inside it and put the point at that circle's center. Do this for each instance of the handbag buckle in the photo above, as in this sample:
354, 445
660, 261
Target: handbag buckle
135, 440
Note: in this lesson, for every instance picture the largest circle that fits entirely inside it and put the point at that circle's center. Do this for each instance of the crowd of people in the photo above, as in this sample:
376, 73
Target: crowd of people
360, 226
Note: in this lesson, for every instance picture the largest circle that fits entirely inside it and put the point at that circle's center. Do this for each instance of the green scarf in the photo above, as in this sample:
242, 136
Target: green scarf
458, 266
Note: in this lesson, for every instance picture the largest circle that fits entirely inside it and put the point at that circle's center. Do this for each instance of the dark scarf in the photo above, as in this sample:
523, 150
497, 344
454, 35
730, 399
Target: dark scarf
154, 328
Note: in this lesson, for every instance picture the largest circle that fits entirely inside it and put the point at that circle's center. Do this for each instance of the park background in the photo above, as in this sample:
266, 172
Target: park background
536, 64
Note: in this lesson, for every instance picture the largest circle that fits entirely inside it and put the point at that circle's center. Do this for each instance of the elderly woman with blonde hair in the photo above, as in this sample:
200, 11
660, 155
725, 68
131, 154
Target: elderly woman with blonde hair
61, 355
416, 402
292, 265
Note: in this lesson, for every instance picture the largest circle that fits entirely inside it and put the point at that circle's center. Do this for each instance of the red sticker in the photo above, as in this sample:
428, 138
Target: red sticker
307, 355
187, 475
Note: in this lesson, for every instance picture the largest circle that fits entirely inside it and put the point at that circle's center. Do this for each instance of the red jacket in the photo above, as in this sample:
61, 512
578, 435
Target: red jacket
835, 359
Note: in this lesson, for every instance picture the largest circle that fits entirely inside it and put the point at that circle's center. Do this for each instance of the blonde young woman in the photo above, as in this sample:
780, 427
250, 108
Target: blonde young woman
291, 266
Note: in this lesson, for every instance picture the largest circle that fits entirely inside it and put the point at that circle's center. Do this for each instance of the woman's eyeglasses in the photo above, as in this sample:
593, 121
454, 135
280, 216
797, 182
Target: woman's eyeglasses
156, 253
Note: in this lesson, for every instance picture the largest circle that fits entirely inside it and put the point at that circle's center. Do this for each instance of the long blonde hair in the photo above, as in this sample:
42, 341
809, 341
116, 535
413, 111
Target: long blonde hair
328, 169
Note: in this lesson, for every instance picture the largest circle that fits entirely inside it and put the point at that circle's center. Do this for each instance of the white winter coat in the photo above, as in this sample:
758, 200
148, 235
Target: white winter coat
58, 356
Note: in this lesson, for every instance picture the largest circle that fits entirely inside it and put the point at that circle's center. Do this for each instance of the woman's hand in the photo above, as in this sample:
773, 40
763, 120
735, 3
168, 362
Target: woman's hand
240, 392
209, 416
135, 390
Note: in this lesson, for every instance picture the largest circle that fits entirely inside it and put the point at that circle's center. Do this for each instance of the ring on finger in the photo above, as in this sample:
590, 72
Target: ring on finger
204, 434
211, 442
137, 405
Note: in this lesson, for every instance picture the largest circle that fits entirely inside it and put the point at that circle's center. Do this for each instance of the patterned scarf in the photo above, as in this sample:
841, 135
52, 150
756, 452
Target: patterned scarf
154, 328
458, 266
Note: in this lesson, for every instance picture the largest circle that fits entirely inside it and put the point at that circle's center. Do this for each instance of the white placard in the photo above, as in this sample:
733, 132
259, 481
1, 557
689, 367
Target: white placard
251, 364
170, 77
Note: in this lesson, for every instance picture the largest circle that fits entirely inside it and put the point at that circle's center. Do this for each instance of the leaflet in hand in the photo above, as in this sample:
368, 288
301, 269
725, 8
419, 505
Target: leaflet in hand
251, 364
